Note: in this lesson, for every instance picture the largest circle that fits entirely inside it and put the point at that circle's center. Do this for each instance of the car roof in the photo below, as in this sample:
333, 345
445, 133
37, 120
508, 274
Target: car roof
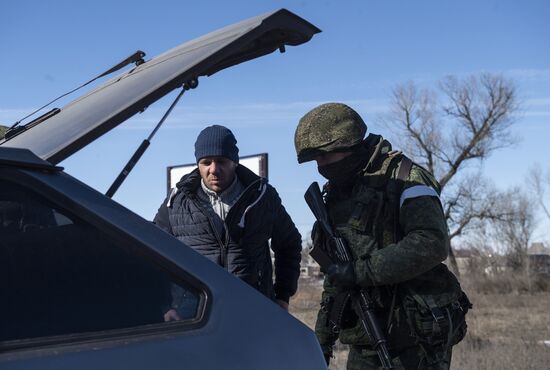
86, 118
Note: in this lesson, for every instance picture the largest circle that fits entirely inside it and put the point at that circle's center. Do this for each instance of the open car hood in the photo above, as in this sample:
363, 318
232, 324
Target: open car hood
90, 116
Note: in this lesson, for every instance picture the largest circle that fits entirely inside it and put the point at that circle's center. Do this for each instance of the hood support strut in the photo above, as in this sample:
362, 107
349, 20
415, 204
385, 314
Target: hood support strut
191, 84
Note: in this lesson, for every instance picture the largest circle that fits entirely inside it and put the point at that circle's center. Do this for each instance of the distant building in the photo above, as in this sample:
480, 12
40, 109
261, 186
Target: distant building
464, 258
310, 272
309, 269
539, 258
538, 248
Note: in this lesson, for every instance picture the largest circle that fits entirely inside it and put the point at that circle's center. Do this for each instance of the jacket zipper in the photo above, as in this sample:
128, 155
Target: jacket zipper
242, 195
223, 248
224, 252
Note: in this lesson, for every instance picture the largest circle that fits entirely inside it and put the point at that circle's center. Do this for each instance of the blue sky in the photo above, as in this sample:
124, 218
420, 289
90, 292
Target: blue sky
365, 49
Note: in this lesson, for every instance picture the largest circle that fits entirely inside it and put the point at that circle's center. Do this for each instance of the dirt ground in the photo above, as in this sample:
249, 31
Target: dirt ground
505, 331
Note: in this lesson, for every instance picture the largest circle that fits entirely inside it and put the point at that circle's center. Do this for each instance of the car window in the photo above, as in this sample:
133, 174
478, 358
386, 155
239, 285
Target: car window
60, 275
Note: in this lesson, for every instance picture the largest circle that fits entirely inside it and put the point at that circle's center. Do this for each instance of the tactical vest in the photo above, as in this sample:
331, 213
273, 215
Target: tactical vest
366, 215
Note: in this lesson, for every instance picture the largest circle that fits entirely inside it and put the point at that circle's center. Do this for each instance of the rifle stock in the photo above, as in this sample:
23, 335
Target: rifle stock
321, 257
314, 200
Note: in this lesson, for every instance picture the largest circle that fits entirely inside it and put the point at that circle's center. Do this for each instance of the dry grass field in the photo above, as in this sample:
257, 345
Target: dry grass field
505, 330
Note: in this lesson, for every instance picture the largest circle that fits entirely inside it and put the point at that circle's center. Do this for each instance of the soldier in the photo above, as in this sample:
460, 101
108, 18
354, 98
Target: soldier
388, 210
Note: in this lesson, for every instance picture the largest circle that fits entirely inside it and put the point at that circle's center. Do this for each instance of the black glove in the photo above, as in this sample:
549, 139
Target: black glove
341, 275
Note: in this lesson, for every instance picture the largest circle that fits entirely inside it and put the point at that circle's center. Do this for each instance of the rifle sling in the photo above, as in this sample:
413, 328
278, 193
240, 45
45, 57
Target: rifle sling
404, 168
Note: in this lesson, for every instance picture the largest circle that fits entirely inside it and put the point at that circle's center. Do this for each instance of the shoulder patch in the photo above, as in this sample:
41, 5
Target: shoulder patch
417, 191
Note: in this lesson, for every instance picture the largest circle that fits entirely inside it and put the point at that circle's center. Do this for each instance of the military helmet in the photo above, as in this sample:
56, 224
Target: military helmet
330, 127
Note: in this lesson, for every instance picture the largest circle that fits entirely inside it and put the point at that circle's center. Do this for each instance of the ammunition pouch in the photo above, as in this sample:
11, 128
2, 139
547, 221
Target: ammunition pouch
434, 325
366, 209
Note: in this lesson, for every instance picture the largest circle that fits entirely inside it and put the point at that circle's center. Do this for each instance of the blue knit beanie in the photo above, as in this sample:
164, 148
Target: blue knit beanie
216, 141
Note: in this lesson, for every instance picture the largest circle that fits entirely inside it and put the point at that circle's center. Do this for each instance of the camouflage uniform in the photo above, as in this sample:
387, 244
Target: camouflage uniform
398, 237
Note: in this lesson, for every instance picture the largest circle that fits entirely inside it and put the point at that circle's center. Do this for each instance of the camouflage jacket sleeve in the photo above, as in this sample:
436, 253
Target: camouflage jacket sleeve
425, 242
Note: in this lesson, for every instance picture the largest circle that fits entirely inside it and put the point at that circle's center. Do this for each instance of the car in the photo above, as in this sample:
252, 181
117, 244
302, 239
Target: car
85, 281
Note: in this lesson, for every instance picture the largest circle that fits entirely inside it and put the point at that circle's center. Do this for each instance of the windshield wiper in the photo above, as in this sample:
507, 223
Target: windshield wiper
14, 130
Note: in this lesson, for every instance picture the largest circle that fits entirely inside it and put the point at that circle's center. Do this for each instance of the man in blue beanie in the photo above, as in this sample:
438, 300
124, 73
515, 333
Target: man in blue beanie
228, 214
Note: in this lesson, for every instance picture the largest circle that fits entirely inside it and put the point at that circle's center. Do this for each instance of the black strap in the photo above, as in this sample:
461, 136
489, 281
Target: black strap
336, 314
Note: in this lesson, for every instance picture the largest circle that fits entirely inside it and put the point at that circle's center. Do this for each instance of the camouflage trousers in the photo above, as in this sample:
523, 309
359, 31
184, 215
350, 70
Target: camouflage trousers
412, 358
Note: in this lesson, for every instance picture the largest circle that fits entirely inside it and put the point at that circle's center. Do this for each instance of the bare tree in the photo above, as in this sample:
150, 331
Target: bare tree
539, 182
471, 201
515, 230
468, 121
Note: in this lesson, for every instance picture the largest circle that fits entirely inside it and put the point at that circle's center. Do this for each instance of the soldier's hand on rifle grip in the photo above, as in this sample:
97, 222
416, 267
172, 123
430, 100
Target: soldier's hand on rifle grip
341, 275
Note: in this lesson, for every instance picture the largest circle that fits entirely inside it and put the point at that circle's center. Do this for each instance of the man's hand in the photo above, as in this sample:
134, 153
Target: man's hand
341, 275
327, 353
327, 359
283, 304
171, 315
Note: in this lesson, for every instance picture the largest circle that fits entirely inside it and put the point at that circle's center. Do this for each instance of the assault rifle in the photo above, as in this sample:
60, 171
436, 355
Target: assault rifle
336, 251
